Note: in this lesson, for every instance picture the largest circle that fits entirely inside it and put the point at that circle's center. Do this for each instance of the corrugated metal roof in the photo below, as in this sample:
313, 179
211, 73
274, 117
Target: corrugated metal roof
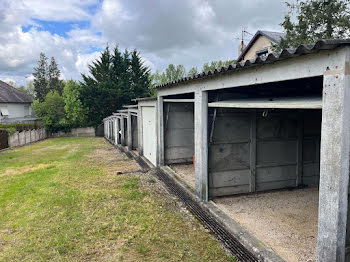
151, 98
271, 58
130, 106
9, 94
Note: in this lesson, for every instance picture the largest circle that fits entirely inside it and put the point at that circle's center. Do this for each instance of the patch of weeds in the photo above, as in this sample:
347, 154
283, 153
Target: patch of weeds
135, 195
142, 249
152, 181
133, 183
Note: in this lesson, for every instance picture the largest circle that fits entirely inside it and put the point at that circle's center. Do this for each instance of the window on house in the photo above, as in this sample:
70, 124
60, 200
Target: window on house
262, 52
26, 110
4, 111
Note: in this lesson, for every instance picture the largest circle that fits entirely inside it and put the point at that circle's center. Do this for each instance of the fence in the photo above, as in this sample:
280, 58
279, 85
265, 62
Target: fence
26, 137
83, 131
3, 139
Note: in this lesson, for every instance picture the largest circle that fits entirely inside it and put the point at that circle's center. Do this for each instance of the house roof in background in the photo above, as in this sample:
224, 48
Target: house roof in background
9, 94
274, 37
288, 53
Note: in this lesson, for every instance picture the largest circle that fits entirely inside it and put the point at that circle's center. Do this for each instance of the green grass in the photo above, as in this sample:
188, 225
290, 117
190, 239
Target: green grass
60, 200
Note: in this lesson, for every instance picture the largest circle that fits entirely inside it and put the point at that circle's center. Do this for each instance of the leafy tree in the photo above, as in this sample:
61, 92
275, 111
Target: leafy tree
216, 65
173, 73
158, 78
315, 20
53, 75
76, 113
29, 89
193, 71
40, 78
51, 111
12, 83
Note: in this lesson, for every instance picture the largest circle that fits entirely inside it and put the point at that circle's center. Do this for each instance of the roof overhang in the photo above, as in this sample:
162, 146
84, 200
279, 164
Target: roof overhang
271, 103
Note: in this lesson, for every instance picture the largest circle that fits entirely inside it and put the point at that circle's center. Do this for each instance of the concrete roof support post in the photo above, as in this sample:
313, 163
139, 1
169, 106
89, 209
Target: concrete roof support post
334, 167
160, 130
116, 131
139, 131
122, 130
201, 145
129, 130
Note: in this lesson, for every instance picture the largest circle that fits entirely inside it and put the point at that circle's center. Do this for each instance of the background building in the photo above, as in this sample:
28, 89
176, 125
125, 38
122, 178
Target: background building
15, 106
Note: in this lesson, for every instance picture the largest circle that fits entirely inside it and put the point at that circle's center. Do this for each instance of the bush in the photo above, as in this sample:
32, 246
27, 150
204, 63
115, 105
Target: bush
51, 112
20, 126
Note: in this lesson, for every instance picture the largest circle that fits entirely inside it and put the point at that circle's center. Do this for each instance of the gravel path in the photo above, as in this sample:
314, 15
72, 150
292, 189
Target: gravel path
284, 220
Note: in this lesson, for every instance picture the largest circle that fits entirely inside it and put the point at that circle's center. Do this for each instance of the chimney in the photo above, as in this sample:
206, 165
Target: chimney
241, 47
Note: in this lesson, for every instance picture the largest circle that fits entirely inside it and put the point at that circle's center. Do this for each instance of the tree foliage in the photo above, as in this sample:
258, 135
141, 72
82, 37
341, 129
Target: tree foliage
51, 111
308, 21
217, 65
46, 78
53, 77
40, 78
29, 89
113, 80
173, 72
75, 112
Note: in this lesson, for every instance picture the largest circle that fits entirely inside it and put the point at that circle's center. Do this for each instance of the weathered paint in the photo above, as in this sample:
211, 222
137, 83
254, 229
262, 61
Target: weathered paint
334, 169
249, 152
148, 136
178, 133
299, 67
201, 145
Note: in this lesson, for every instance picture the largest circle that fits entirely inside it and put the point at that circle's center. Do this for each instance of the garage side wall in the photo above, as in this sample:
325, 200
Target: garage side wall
134, 132
229, 143
277, 163
178, 132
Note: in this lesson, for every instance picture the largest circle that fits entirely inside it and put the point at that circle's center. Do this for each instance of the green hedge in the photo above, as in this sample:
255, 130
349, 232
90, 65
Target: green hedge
21, 126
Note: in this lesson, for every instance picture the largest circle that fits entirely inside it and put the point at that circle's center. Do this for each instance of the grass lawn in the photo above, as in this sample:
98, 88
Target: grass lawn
61, 200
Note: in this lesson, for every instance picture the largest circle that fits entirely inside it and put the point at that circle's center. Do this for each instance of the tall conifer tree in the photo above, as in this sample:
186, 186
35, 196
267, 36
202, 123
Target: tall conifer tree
40, 78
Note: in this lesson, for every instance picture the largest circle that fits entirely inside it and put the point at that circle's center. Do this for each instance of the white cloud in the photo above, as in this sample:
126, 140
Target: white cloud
189, 32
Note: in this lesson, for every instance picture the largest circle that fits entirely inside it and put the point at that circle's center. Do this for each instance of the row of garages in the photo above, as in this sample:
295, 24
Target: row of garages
268, 141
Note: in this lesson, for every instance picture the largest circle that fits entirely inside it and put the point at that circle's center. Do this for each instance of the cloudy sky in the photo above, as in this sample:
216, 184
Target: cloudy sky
188, 32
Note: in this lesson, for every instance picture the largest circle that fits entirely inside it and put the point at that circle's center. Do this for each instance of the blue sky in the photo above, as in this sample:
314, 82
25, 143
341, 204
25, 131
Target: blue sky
188, 32
60, 28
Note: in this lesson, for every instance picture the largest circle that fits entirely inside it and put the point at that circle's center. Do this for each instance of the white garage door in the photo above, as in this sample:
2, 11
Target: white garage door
149, 137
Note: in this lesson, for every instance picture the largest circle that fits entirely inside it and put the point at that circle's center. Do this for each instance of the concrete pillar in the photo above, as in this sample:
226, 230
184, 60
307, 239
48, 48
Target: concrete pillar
122, 130
139, 131
116, 131
334, 167
201, 145
160, 130
117, 128
129, 129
